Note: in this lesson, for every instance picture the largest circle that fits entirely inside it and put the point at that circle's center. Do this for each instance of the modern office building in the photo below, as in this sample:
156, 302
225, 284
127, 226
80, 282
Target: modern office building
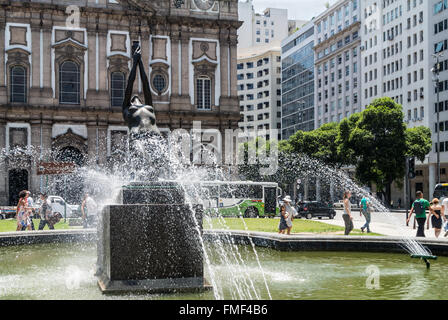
298, 81
259, 89
337, 62
399, 41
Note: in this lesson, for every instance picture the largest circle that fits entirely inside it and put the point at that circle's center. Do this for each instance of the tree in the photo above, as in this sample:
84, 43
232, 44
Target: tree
418, 142
320, 143
377, 141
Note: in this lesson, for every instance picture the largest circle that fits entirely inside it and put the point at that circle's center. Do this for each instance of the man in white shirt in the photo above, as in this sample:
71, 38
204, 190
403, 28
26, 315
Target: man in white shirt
291, 211
445, 212
89, 210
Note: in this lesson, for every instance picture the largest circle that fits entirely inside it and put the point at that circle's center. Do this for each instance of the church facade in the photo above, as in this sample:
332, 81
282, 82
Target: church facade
64, 68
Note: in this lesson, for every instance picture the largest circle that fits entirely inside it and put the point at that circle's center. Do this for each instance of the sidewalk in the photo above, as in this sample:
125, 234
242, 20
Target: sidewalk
385, 223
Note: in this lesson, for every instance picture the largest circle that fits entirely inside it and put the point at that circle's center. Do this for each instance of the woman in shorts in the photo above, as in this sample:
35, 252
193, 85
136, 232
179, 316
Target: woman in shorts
282, 226
436, 215
23, 221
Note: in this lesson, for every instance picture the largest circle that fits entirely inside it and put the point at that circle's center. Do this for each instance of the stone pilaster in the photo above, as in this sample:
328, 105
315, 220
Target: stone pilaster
3, 169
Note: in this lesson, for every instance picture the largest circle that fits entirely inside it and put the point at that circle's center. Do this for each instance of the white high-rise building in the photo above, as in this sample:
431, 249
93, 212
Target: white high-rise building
262, 29
337, 62
399, 39
259, 66
259, 89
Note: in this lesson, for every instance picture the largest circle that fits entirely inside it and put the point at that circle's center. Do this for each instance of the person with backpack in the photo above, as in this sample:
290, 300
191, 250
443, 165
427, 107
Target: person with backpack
419, 207
46, 213
365, 210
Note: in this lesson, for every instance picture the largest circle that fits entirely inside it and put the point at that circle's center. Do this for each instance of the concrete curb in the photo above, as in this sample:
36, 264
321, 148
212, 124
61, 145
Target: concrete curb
260, 239
324, 243
47, 236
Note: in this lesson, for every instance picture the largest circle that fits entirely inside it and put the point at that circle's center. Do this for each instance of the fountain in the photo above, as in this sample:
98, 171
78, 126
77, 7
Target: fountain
150, 242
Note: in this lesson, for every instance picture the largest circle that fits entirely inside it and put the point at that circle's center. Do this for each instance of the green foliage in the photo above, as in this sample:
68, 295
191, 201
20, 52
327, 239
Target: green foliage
418, 142
375, 141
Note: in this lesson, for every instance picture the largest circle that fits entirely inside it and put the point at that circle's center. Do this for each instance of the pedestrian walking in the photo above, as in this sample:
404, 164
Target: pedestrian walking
291, 212
436, 215
89, 210
30, 202
46, 213
282, 226
365, 206
445, 214
23, 222
347, 216
419, 207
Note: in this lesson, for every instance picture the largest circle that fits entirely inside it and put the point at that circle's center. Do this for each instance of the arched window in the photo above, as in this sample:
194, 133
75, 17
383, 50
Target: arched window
18, 84
203, 93
69, 83
117, 88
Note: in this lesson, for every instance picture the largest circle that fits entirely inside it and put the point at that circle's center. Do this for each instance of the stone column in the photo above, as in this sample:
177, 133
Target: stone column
92, 144
102, 144
332, 192
432, 180
175, 44
102, 60
46, 139
318, 189
305, 189
233, 62
91, 63
185, 66
3, 95
47, 90
34, 186
3, 169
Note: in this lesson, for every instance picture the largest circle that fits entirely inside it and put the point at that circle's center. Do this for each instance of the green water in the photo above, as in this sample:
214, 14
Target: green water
66, 272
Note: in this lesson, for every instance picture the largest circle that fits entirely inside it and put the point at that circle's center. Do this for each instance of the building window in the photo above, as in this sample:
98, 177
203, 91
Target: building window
159, 83
69, 83
203, 93
18, 84
117, 88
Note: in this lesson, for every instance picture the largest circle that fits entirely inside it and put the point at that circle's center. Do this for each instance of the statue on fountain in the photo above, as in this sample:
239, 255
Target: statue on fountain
139, 117
146, 146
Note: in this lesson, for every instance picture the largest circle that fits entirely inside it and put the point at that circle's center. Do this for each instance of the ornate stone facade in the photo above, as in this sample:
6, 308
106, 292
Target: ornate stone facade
64, 66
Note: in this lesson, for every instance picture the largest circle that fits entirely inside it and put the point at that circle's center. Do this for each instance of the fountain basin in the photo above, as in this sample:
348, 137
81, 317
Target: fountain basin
66, 271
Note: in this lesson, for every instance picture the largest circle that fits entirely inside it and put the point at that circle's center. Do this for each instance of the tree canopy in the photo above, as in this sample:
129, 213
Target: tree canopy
375, 141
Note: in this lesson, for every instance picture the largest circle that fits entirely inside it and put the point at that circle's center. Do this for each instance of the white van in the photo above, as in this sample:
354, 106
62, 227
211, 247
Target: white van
58, 206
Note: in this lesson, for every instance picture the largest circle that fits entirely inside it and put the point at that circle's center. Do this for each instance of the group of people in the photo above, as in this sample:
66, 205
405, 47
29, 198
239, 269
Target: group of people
287, 213
25, 213
365, 210
437, 214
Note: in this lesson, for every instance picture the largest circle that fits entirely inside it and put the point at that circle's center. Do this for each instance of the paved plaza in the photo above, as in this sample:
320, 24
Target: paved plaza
386, 223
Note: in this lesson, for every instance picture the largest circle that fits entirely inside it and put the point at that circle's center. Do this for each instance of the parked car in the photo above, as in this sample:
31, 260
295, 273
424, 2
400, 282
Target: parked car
312, 209
58, 206
340, 205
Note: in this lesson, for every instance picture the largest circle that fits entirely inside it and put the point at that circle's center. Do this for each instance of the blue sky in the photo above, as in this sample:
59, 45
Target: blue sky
297, 9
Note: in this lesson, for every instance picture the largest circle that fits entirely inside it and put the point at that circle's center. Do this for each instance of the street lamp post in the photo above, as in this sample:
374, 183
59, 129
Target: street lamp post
436, 72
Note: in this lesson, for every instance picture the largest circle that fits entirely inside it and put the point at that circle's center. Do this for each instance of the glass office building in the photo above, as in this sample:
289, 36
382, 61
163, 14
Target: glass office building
298, 81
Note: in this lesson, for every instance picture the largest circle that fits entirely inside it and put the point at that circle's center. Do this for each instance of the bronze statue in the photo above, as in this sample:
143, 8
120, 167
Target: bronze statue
140, 117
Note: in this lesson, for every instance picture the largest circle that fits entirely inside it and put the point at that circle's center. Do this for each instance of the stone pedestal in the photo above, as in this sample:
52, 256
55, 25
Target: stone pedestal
151, 246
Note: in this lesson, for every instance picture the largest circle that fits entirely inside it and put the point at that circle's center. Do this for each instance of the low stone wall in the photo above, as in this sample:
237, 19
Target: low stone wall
324, 243
47, 236
274, 241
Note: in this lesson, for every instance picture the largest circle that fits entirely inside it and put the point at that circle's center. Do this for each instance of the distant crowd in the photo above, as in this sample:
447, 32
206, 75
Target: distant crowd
25, 212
